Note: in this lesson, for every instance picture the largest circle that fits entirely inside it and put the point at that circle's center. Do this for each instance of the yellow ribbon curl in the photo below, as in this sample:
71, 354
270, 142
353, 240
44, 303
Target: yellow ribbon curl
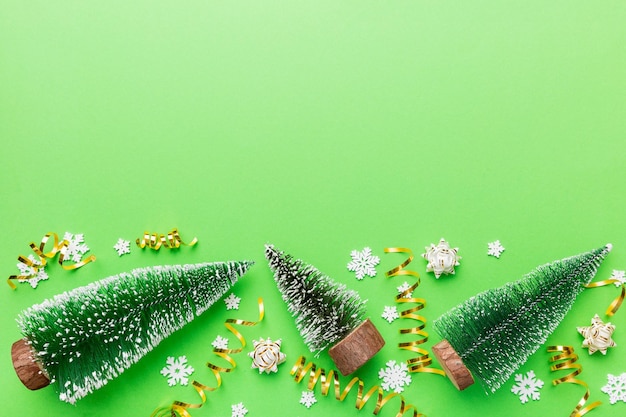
40, 251
300, 369
179, 408
155, 240
566, 359
422, 362
617, 302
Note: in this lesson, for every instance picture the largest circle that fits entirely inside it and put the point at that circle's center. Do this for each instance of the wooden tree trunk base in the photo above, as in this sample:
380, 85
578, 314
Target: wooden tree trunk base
452, 363
28, 370
356, 348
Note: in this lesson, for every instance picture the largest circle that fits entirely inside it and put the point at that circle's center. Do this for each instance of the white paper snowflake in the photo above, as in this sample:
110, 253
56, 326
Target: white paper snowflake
238, 410
363, 263
177, 370
308, 399
390, 313
402, 288
220, 343
395, 376
495, 249
616, 388
620, 276
76, 247
38, 273
122, 246
232, 302
527, 387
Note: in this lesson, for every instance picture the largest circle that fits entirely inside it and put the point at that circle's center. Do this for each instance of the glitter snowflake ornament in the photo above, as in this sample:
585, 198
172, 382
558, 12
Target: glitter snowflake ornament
232, 302
395, 376
308, 399
598, 335
363, 263
220, 343
122, 246
527, 387
619, 276
615, 388
75, 248
266, 355
177, 371
238, 410
390, 313
441, 258
495, 249
37, 272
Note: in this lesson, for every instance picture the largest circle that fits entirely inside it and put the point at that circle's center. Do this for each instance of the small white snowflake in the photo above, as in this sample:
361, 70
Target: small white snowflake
527, 387
75, 248
238, 410
122, 246
495, 249
390, 313
363, 263
232, 302
308, 399
402, 288
37, 273
619, 276
616, 388
395, 376
177, 370
220, 343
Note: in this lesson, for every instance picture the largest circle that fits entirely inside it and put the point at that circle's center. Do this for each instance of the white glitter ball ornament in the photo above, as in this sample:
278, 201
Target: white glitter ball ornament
441, 258
266, 355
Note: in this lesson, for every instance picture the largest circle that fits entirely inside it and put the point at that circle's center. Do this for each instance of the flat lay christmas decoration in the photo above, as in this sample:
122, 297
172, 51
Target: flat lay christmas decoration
441, 258
489, 336
266, 355
615, 388
328, 315
177, 371
363, 263
597, 336
83, 338
156, 241
527, 387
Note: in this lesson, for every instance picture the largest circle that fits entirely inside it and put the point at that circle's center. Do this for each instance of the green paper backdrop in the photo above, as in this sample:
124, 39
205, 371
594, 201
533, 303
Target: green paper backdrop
322, 127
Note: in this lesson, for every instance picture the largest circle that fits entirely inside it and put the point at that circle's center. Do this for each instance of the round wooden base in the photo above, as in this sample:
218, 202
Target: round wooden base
356, 348
452, 363
26, 367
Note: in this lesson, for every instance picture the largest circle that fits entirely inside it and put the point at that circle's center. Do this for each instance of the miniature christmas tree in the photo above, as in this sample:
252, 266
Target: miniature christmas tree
83, 338
327, 314
493, 333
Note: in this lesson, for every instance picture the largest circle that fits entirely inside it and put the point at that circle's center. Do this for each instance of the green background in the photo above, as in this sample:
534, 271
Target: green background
322, 127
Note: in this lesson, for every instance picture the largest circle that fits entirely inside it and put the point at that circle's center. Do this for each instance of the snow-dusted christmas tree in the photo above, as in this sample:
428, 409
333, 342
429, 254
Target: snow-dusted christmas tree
327, 314
493, 333
83, 338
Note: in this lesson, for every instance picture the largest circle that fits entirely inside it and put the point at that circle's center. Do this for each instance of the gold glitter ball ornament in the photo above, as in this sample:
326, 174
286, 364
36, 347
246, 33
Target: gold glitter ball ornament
441, 258
266, 355
598, 335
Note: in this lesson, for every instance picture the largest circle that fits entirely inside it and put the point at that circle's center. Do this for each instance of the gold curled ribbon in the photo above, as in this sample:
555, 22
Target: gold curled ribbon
301, 368
40, 251
155, 240
565, 358
422, 362
617, 302
179, 408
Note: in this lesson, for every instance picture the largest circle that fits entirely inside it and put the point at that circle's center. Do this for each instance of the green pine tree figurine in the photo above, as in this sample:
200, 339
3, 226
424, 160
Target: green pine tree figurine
493, 333
328, 315
83, 338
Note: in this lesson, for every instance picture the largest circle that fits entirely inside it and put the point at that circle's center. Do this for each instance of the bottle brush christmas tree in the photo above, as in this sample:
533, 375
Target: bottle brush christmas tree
83, 338
328, 315
493, 333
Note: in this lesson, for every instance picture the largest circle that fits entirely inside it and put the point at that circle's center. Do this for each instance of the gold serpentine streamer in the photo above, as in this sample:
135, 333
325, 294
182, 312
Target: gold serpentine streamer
57, 247
155, 240
617, 302
301, 368
422, 362
179, 408
566, 359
